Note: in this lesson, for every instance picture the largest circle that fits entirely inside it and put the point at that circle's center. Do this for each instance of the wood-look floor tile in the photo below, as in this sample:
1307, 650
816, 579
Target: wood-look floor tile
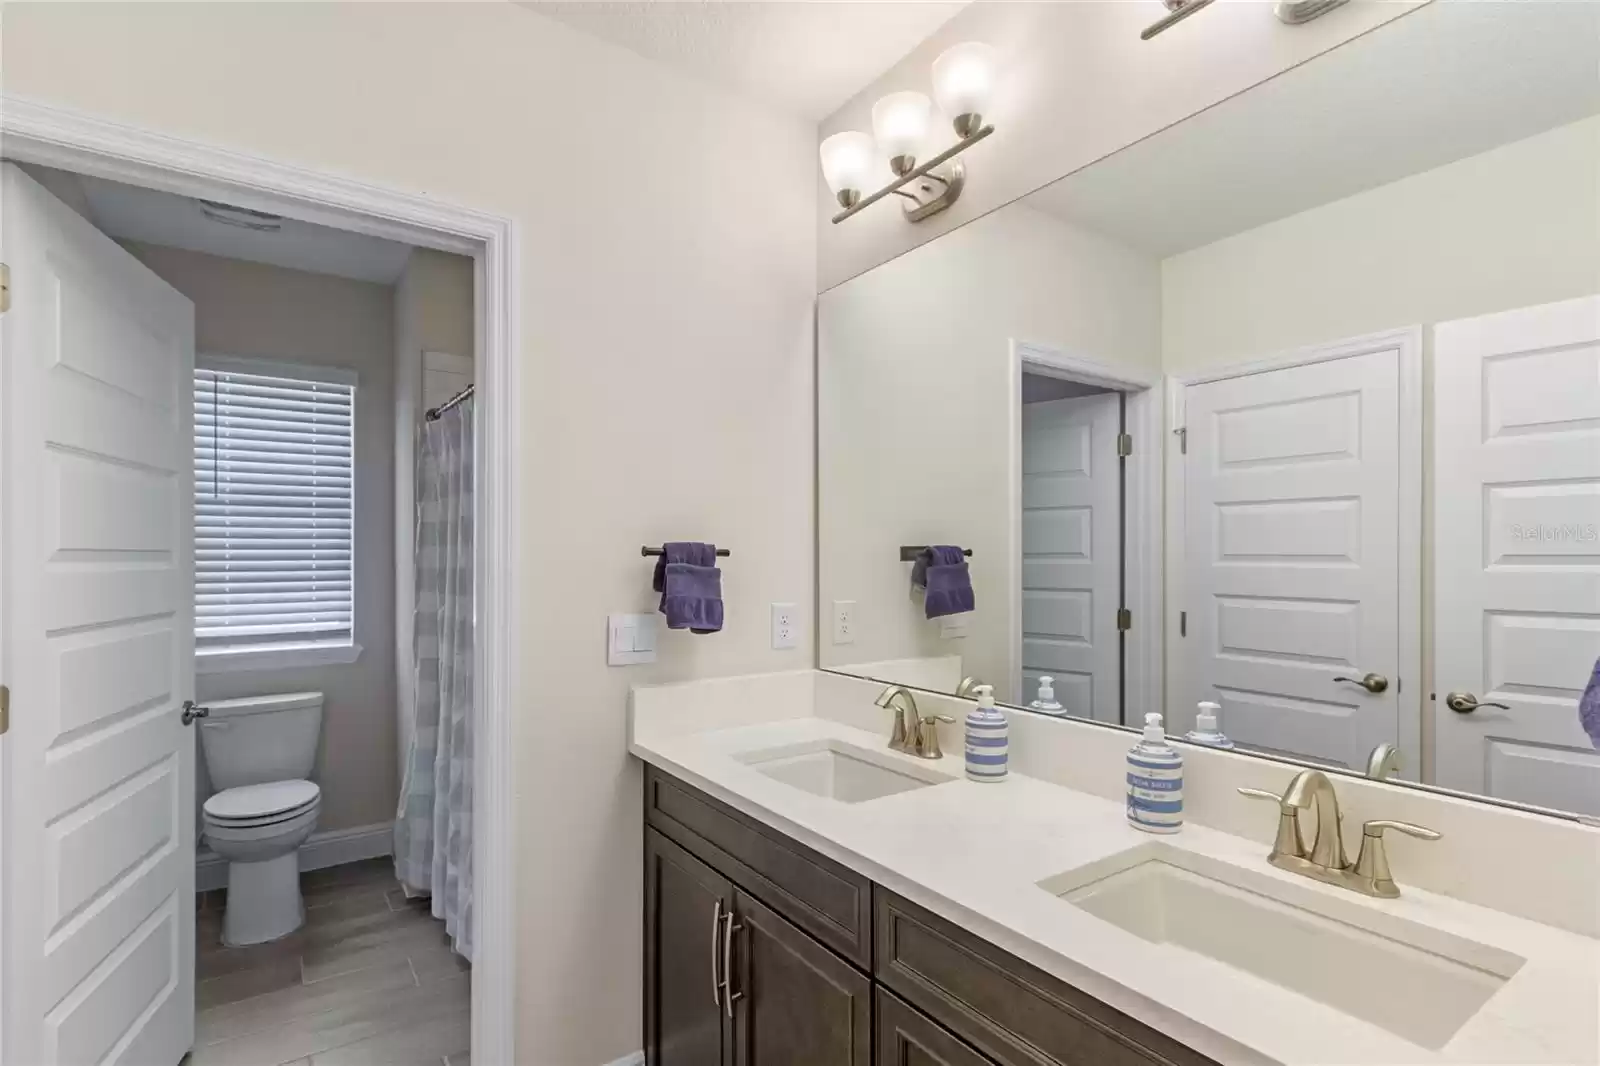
251, 1015
365, 872
420, 1035
359, 1016
367, 941
216, 960
463, 1059
432, 962
281, 972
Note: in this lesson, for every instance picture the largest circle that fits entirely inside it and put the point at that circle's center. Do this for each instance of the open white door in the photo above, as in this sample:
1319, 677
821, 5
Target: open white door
1072, 552
1517, 558
1292, 537
98, 645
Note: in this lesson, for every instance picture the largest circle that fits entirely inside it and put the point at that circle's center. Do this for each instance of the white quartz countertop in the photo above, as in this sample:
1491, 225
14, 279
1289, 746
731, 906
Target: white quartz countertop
975, 854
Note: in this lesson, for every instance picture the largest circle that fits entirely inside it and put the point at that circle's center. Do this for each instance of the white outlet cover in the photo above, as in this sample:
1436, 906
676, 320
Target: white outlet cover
785, 626
844, 621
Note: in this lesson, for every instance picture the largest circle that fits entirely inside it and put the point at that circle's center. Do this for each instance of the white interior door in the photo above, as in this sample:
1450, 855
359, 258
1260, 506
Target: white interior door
1517, 551
1072, 552
98, 645
1292, 537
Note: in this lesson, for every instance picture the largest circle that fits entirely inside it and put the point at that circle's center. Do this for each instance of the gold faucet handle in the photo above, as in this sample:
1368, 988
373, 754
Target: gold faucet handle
1288, 840
1372, 863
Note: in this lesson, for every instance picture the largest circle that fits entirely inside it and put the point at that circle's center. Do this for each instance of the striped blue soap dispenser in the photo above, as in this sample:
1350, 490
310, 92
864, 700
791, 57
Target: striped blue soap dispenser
988, 738
1155, 781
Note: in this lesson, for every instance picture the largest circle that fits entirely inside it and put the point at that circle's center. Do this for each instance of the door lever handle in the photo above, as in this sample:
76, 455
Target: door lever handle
1466, 703
1373, 683
192, 711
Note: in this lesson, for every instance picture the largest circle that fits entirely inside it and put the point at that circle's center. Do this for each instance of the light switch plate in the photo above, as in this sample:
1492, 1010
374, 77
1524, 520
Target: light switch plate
785, 625
630, 639
844, 621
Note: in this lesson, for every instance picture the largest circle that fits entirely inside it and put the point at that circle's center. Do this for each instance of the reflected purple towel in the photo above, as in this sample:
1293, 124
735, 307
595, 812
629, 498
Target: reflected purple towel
690, 585
1589, 707
942, 571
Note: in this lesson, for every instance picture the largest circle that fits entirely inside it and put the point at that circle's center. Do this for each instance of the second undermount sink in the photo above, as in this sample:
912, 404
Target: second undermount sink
839, 771
1417, 982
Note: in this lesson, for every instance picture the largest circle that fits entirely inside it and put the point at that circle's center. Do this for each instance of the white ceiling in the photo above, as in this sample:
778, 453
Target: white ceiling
131, 213
806, 58
1447, 81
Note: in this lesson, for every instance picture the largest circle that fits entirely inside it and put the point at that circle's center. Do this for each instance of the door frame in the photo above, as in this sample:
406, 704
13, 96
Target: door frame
1142, 506
32, 132
1407, 341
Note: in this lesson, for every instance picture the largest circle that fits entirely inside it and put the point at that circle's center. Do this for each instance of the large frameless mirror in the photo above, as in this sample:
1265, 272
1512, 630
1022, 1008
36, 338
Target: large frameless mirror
1293, 407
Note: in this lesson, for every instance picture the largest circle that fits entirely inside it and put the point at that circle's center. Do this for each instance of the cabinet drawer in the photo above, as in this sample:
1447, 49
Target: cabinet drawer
825, 899
1011, 1011
907, 1037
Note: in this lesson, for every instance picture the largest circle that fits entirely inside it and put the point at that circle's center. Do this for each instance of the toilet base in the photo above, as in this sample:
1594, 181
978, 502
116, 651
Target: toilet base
263, 901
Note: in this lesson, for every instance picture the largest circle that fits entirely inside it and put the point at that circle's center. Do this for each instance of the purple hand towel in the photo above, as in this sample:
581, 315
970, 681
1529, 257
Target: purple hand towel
1589, 707
944, 574
690, 585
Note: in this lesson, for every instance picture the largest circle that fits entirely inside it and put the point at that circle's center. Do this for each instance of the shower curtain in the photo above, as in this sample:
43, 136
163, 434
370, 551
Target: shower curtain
433, 826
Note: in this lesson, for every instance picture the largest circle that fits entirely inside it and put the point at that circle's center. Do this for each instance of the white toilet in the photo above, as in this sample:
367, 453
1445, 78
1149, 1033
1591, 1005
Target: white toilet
259, 752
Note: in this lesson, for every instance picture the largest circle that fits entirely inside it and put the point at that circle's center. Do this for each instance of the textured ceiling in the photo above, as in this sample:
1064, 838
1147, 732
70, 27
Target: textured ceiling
806, 58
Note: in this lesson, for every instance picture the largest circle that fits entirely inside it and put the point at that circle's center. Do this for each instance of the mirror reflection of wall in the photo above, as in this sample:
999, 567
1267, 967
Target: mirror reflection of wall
1348, 325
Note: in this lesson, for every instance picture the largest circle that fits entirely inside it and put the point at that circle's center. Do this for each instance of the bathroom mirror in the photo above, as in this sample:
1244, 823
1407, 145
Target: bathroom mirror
1293, 406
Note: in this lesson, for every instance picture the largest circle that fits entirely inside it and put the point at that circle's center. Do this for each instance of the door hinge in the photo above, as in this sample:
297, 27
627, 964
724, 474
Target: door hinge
1124, 618
1183, 439
5, 709
1183, 623
5, 288
1124, 444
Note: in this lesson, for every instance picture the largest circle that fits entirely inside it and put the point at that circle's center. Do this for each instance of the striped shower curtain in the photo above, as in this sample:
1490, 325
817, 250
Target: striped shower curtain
433, 826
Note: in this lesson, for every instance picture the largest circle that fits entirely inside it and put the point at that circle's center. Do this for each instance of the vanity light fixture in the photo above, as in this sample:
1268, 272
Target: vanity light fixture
963, 80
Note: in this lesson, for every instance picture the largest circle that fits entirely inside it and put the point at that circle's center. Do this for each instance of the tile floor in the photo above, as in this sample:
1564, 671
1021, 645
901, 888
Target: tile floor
369, 979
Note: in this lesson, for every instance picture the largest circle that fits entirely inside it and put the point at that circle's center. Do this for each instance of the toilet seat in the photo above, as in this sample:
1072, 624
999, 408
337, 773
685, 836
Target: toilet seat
252, 806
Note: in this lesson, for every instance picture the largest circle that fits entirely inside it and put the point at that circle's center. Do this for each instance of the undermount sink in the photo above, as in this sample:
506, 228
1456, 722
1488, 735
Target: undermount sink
1415, 981
839, 771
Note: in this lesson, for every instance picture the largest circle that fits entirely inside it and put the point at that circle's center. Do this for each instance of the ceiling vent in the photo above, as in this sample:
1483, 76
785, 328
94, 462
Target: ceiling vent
241, 217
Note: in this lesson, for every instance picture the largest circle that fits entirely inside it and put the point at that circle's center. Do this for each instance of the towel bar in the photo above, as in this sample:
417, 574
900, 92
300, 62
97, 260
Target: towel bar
909, 552
722, 553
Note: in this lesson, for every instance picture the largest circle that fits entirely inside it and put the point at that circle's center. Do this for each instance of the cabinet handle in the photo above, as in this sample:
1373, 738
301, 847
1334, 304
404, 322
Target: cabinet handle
716, 928
727, 962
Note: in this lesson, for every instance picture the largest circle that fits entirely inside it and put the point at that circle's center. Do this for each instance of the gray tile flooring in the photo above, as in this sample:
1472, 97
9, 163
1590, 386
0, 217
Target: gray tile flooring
369, 979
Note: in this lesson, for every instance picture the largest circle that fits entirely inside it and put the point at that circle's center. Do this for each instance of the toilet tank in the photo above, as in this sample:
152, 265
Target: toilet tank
257, 739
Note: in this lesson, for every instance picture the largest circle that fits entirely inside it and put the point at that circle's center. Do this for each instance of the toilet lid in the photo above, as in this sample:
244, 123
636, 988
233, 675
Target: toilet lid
261, 801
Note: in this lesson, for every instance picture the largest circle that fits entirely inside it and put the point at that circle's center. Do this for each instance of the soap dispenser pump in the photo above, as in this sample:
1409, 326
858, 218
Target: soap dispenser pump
988, 738
1155, 781
1046, 700
1205, 729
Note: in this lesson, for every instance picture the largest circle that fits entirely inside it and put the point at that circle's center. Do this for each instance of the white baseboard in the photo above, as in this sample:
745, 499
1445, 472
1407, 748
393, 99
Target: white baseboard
334, 847
636, 1059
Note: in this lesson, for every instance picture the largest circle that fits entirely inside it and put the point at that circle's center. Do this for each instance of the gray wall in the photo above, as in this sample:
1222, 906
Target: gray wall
249, 309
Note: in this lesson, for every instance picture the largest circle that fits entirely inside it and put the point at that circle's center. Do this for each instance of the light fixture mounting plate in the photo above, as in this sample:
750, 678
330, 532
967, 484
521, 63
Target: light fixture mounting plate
932, 193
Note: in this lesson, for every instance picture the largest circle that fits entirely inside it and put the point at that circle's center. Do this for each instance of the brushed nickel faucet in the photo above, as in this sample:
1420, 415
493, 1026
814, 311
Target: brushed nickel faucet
913, 733
966, 690
1325, 859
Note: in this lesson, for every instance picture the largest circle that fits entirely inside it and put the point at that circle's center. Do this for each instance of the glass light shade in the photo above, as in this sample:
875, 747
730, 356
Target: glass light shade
963, 82
846, 162
900, 122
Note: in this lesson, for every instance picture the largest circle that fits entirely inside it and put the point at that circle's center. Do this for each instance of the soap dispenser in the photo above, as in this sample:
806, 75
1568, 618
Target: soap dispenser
988, 738
1205, 729
1047, 696
1155, 781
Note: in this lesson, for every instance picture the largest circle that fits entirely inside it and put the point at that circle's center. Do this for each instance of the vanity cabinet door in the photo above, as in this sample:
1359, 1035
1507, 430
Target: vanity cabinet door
795, 1002
907, 1037
684, 1020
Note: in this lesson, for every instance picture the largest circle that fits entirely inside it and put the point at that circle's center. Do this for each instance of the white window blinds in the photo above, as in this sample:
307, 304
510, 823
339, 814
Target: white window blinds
274, 504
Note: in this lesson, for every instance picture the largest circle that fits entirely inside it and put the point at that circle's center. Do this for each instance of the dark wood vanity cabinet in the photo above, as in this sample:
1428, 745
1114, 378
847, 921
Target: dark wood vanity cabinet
761, 952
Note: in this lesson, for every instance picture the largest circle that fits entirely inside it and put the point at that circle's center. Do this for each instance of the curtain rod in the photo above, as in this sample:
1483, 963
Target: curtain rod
433, 414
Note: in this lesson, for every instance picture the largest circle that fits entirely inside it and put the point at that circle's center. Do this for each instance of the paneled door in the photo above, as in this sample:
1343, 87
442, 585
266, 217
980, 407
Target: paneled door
1292, 548
1517, 552
1072, 553
98, 649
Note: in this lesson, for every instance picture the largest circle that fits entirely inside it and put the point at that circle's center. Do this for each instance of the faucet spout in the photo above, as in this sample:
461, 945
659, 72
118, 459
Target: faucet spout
1312, 790
907, 733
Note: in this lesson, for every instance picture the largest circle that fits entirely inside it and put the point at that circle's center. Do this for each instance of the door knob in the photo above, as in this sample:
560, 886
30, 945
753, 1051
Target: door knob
1466, 703
192, 710
1373, 683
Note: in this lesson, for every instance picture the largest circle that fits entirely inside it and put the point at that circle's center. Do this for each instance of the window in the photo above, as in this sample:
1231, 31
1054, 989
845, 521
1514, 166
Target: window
273, 514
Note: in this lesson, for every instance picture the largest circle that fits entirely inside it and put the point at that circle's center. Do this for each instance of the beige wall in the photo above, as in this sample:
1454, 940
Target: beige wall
915, 385
666, 385
1509, 228
250, 309
1077, 84
433, 312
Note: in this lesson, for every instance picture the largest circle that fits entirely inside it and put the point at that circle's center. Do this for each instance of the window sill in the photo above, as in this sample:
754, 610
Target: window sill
276, 657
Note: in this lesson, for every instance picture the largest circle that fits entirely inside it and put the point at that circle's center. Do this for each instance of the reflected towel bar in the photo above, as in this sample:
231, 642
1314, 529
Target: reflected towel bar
722, 553
909, 552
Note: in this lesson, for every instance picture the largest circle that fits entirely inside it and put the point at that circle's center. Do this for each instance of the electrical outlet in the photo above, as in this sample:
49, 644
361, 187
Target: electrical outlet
785, 625
844, 621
